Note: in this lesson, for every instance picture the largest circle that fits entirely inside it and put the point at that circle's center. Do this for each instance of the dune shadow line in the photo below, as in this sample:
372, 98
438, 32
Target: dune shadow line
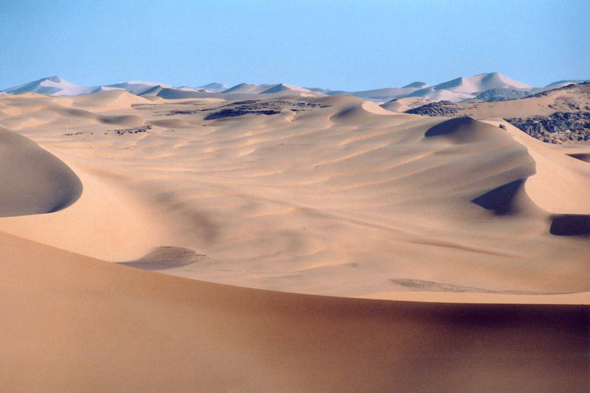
500, 200
570, 225
449, 127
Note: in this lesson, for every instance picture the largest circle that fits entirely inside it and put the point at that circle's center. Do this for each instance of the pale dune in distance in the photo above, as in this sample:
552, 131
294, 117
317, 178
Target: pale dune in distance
403, 104
455, 90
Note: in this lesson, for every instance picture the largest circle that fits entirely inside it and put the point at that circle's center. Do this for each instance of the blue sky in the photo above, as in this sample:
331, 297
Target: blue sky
351, 45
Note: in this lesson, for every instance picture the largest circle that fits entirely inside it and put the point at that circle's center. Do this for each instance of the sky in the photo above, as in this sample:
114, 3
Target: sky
340, 45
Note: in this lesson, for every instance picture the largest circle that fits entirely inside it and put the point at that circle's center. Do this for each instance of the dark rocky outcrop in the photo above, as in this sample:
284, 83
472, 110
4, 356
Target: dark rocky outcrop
493, 95
441, 108
557, 128
136, 130
241, 108
233, 112
256, 107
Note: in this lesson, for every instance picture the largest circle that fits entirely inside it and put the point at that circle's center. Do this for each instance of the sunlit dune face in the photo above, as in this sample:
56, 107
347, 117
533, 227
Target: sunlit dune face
323, 195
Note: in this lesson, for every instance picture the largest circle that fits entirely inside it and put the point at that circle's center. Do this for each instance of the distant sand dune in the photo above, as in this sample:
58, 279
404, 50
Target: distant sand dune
108, 100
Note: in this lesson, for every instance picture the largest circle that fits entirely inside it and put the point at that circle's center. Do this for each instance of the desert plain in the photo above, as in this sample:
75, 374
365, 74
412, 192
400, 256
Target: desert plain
289, 243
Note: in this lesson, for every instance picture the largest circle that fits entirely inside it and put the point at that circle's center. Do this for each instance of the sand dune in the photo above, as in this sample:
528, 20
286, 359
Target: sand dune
331, 196
108, 100
52, 85
455, 90
33, 181
481, 82
309, 195
560, 177
403, 104
247, 88
71, 323
386, 94
465, 88
486, 86
214, 87
284, 87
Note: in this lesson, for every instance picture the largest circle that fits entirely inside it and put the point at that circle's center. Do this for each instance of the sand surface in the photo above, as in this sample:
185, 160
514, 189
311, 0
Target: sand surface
336, 196
330, 196
74, 324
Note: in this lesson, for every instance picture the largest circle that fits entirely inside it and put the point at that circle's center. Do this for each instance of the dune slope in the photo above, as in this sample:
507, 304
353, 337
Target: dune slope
33, 181
70, 323
330, 196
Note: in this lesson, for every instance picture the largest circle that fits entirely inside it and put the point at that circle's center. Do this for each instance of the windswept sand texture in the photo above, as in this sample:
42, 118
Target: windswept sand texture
331, 196
319, 196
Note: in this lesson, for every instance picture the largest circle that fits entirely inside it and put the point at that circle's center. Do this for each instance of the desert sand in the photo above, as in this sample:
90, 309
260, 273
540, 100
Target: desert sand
293, 243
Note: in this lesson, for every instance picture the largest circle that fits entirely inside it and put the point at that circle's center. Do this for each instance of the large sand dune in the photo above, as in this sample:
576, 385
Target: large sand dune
322, 196
74, 324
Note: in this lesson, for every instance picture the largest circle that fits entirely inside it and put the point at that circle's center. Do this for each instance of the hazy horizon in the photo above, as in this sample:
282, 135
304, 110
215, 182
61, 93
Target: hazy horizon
335, 45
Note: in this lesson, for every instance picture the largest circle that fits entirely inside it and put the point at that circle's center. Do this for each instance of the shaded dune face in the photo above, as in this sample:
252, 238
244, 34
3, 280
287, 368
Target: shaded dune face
509, 198
33, 181
570, 224
501, 200
582, 157
459, 130
125, 120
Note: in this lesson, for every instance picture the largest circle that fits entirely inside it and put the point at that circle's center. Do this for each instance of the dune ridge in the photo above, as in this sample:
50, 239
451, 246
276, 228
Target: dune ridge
322, 195
450, 233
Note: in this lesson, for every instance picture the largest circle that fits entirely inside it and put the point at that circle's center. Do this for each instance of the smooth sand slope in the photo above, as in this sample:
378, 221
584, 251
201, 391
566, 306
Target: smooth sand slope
33, 181
75, 324
326, 196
